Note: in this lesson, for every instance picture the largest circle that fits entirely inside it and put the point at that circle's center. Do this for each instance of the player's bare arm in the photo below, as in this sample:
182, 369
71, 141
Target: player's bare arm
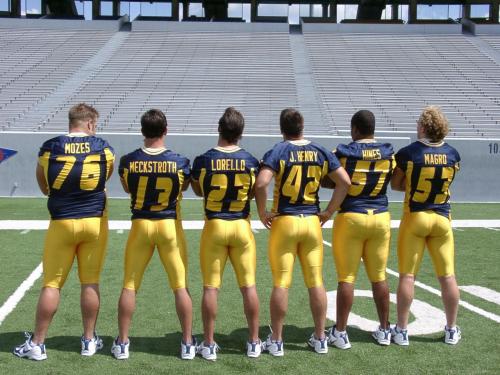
124, 185
195, 185
342, 183
186, 183
42, 182
110, 169
398, 180
263, 180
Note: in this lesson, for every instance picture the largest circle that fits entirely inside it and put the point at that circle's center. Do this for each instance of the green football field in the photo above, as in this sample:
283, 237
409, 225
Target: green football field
155, 335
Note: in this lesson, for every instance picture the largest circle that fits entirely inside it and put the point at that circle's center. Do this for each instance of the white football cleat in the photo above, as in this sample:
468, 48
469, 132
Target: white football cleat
91, 346
382, 336
208, 352
188, 351
338, 339
30, 350
452, 335
254, 349
320, 346
120, 350
274, 347
399, 336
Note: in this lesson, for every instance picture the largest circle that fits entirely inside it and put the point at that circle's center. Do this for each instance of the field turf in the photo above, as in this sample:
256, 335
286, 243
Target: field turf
155, 333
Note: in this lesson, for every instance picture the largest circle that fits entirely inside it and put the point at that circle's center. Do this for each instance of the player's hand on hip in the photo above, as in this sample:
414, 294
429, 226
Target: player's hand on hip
324, 216
266, 218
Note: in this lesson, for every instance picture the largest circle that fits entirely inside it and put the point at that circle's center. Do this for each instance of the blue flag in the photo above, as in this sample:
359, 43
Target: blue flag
5, 153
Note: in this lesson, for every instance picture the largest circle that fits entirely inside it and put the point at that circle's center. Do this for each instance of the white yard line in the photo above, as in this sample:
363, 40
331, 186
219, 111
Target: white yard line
18, 295
495, 229
198, 224
487, 294
26, 231
430, 289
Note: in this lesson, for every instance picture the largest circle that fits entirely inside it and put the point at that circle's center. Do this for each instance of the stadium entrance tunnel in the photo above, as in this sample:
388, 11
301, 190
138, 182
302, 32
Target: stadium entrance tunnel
428, 319
370, 10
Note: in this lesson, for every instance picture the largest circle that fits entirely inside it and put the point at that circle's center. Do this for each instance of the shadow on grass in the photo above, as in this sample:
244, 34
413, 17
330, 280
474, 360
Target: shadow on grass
169, 345
427, 339
295, 338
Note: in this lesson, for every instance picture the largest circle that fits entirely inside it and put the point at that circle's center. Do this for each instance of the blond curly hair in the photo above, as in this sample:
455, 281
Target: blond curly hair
434, 123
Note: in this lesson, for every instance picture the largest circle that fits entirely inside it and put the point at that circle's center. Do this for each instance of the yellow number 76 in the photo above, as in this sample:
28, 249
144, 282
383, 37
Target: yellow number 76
91, 171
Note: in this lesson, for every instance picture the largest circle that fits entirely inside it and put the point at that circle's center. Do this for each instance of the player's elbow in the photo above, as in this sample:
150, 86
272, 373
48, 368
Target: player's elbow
342, 180
42, 185
397, 185
261, 184
195, 186
345, 184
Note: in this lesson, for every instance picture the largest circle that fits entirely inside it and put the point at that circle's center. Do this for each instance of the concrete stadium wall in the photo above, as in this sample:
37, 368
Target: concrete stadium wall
382, 28
476, 182
480, 28
61, 24
209, 26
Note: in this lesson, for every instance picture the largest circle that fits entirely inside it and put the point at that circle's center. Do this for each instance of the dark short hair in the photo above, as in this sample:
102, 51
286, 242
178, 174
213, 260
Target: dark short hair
153, 123
291, 122
231, 125
82, 112
364, 122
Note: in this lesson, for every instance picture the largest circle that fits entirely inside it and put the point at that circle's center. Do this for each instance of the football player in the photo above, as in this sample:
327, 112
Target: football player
155, 178
298, 166
225, 177
424, 171
72, 170
362, 228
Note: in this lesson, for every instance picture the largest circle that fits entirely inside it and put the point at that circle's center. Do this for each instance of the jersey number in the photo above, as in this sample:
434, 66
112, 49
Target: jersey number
360, 181
219, 186
91, 171
293, 183
428, 183
163, 184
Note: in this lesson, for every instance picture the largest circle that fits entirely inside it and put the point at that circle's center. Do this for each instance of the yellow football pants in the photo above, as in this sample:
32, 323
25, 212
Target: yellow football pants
221, 239
359, 236
167, 235
84, 238
418, 229
293, 236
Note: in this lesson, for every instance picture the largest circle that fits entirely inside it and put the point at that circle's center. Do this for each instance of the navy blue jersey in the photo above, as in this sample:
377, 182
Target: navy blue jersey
299, 167
369, 165
154, 179
76, 168
226, 180
430, 169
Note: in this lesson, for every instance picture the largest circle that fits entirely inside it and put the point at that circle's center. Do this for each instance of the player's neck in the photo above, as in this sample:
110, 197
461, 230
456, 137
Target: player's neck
225, 144
364, 138
79, 131
295, 138
154, 142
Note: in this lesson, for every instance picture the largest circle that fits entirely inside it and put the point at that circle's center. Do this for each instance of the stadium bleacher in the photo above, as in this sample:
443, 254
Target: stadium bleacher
194, 75
492, 40
397, 75
34, 63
